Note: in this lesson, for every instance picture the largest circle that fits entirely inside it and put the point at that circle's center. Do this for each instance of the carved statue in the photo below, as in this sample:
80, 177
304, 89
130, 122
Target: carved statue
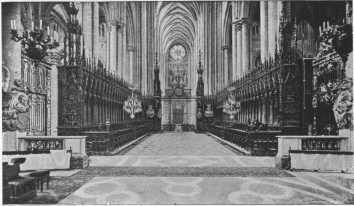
14, 111
14, 105
343, 105
343, 41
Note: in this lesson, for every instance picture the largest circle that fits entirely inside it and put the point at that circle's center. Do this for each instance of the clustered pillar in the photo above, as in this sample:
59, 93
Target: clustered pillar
113, 46
226, 65
264, 30
239, 50
245, 45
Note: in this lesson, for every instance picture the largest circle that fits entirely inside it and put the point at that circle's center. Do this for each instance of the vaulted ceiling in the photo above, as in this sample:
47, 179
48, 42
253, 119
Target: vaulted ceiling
177, 23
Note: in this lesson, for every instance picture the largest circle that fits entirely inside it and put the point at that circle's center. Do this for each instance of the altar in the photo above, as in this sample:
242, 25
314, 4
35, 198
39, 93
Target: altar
178, 114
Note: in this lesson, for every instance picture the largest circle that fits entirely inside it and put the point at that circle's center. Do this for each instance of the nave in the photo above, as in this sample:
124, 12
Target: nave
158, 171
185, 102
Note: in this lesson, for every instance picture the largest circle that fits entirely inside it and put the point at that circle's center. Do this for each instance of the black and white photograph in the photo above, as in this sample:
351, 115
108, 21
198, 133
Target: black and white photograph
177, 102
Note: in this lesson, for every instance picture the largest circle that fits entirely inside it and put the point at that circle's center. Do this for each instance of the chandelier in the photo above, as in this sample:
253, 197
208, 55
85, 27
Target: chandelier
132, 105
231, 107
34, 41
209, 112
150, 112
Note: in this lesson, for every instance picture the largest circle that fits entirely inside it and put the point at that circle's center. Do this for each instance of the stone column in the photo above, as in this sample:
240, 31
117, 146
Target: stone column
124, 39
226, 66
11, 59
245, 44
131, 64
272, 27
279, 9
108, 45
144, 48
95, 30
87, 28
120, 53
234, 53
113, 46
239, 51
264, 30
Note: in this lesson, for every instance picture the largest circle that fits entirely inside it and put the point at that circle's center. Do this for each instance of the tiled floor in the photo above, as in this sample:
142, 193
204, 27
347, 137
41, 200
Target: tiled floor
303, 189
189, 168
180, 144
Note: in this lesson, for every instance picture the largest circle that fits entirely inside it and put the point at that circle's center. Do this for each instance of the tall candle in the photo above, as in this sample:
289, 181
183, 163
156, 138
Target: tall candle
12, 24
48, 31
15, 27
40, 24
324, 25
32, 26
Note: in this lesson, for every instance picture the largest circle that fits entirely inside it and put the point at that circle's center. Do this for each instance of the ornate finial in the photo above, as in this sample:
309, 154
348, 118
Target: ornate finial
83, 57
276, 45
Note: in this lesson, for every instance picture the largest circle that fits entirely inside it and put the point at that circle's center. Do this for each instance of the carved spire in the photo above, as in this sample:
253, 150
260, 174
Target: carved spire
83, 57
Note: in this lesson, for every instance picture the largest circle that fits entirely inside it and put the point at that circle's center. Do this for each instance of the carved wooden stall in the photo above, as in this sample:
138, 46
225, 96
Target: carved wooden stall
91, 100
268, 100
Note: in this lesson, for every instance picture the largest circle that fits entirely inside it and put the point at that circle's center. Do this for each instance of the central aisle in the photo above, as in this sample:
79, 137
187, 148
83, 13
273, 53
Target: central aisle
180, 149
180, 144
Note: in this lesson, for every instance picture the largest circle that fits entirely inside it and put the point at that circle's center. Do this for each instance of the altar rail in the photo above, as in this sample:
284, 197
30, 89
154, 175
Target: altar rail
106, 142
325, 153
258, 142
311, 143
47, 143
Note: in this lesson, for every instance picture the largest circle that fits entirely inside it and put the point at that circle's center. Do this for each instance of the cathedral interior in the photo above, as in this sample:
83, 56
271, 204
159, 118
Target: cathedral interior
215, 102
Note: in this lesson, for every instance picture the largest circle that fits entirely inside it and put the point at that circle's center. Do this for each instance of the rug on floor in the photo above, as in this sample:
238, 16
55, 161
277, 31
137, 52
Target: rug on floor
59, 188
183, 172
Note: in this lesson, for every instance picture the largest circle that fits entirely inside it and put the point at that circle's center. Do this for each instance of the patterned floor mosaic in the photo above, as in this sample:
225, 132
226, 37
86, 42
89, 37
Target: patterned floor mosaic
209, 190
183, 172
189, 168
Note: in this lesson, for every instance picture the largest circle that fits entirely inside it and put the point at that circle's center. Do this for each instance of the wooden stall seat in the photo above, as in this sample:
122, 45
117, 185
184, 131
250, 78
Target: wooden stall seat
40, 177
